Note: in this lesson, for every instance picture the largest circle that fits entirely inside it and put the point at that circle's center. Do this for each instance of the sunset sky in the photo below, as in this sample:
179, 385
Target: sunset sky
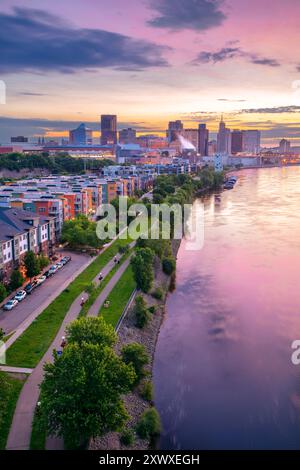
149, 61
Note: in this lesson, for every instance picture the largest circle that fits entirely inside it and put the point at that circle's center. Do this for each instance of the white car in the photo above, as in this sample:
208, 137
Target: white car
10, 304
53, 269
40, 280
20, 295
60, 265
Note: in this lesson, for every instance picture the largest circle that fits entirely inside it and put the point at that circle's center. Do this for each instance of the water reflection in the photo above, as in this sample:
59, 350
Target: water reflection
223, 375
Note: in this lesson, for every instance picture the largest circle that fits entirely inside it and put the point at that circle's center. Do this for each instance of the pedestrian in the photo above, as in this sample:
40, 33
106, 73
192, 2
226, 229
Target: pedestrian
63, 343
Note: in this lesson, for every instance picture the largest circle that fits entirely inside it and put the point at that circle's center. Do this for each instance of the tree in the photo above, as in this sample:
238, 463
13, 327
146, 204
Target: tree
31, 263
142, 266
94, 330
80, 232
81, 393
3, 292
169, 265
43, 262
136, 355
142, 315
16, 280
149, 424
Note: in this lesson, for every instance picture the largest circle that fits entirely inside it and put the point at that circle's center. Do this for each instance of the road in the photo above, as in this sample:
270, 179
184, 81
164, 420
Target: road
42, 296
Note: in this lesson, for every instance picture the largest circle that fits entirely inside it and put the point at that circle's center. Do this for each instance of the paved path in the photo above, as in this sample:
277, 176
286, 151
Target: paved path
20, 431
19, 319
16, 370
94, 310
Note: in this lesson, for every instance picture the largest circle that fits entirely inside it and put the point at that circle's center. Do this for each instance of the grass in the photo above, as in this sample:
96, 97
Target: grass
119, 297
9, 406
30, 347
6, 338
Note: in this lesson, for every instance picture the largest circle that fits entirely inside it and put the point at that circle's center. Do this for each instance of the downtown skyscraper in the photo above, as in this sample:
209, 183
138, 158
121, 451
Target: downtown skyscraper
109, 134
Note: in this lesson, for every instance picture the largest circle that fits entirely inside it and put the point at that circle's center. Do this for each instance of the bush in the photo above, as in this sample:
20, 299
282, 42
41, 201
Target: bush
142, 267
89, 289
43, 262
16, 280
169, 265
127, 437
149, 424
3, 292
158, 293
152, 309
123, 249
141, 313
146, 391
136, 355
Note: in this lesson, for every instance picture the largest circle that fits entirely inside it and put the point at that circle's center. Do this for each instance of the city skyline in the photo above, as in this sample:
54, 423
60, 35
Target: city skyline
150, 64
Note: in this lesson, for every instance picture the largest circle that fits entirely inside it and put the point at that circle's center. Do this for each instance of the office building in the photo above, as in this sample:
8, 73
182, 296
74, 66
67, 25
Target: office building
251, 141
109, 129
203, 136
192, 135
127, 136
284, 146
19, 139
81, 136
236, 142
223, 139
174, 128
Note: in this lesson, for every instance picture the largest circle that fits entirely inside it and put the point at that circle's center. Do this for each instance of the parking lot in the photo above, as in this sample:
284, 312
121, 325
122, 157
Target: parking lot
44, 294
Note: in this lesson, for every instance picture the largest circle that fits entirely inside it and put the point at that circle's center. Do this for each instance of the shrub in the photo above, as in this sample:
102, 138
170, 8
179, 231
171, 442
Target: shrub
169, 265
124, 249
142, 266
141, 313
136, 355
127, 437
152, 309
158, 293
89, 289
149, 424
146, 391
43, 262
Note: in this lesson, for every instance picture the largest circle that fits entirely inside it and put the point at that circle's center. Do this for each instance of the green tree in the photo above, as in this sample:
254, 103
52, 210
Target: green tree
169, 265
81, 393
80, 232
16, 280
142, 266
3, 292
135, 354
142, 315
94, 330
43, 262
149, 424
31, 263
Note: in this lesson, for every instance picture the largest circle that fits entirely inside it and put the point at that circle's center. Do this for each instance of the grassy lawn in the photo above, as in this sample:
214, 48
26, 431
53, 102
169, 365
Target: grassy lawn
9, 406
119, 297
30, 347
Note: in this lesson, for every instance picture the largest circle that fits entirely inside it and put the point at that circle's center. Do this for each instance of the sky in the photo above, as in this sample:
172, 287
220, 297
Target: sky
150, 61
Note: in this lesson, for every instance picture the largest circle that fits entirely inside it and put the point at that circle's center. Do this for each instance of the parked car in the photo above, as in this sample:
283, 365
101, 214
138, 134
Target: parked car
60, 264
29, 287
47, 274
10, 304
40, 280
20, 295
66, 259
53, 269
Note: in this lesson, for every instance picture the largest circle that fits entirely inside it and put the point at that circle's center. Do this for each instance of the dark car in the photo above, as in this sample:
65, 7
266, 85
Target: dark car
29, 288
47, 274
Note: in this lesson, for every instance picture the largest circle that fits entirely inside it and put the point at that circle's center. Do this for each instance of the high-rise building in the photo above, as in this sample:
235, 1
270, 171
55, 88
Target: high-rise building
203, 135
251, 141
174, 128
19, 139
81, 136
108, 129
223, 139
127, 136
284, 146
236, 142
192, 136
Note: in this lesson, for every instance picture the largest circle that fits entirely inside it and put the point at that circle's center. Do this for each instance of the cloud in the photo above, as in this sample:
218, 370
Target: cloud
197, 15
30, 93
227, 53
34, 40
275, 110
231, 101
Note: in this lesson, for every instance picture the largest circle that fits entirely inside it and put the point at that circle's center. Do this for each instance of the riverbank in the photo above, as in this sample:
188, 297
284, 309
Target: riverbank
147, 336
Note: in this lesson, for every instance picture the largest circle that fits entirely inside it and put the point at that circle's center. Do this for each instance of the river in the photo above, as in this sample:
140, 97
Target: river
223, 374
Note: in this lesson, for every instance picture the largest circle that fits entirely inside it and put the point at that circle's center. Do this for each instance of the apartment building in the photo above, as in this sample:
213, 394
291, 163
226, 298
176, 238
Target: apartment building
22, 231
